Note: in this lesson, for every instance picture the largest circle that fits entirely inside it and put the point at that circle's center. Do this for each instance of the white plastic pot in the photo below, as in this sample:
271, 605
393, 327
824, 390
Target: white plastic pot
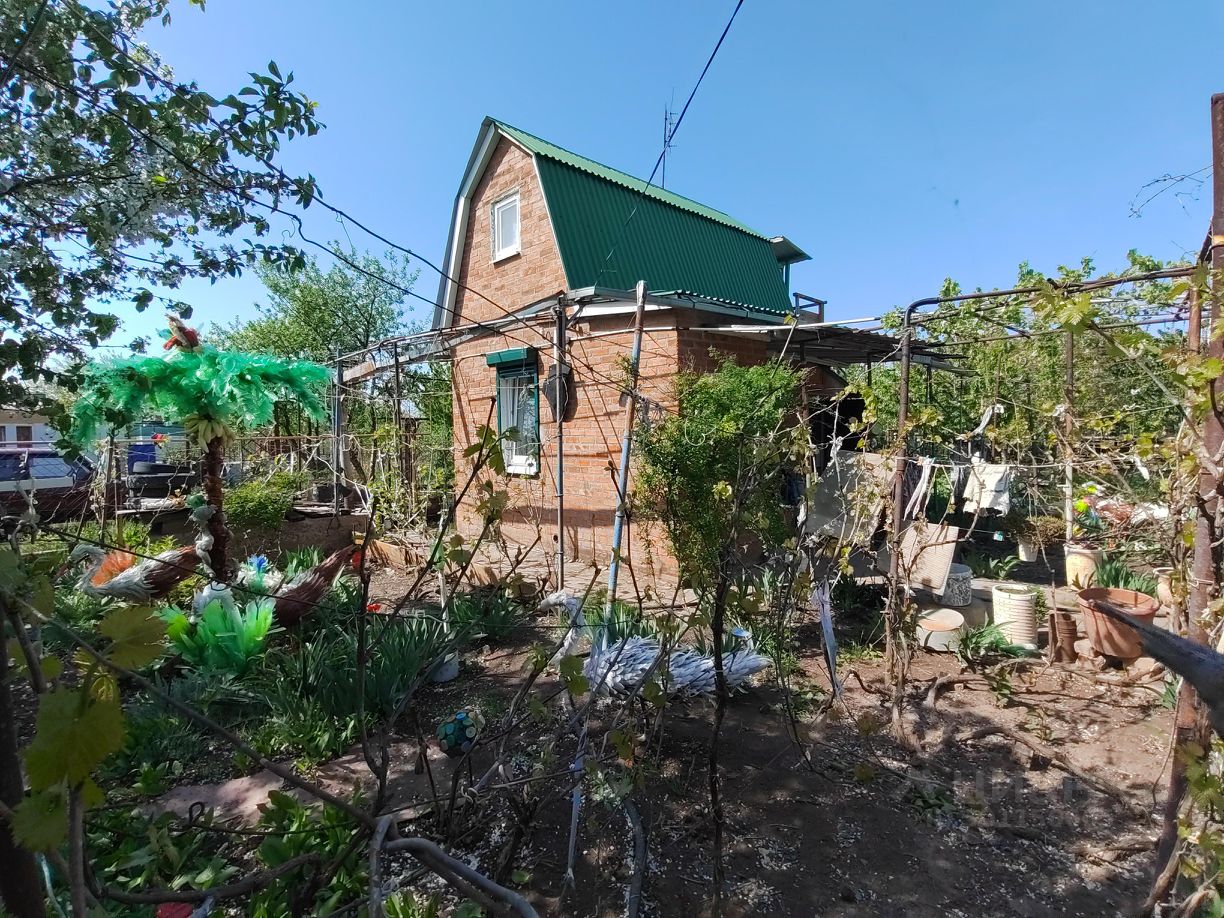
1082, 564
1015, 612
1027, 550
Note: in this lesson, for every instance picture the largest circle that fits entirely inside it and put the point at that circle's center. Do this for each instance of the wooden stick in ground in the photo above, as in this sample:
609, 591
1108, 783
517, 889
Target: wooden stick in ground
474, 885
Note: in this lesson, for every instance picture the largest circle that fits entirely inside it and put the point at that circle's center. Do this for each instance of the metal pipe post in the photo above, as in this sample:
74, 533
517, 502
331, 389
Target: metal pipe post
622, 477
1203, 585
559, 411
337, 450
399, 419
896, 596
1190, 726
1068, 432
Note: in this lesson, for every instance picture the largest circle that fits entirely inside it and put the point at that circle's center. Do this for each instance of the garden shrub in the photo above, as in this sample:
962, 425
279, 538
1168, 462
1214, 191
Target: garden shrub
262, 504
490, 615
294, 828
729, 425
312, 692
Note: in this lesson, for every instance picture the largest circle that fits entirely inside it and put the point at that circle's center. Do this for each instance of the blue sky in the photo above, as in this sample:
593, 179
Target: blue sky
897, 143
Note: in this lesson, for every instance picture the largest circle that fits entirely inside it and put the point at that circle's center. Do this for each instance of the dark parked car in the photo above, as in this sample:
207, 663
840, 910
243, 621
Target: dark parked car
61, 485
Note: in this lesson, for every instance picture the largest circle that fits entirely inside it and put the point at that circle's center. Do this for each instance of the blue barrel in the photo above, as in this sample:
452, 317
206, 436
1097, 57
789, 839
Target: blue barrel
141, 452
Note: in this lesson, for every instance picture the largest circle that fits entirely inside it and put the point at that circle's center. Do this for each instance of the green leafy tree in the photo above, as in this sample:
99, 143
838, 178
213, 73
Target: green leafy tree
1117, 400
312, 314
118, 180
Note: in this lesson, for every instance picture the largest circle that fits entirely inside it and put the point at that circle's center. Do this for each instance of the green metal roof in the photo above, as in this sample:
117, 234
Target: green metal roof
671, 241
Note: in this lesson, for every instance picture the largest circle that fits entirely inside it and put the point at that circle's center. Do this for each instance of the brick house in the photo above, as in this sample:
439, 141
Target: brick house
534, 223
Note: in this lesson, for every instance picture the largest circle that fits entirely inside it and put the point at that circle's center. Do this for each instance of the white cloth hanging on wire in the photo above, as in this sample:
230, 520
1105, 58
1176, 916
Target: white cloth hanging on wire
986, 487
987, 416
922, 490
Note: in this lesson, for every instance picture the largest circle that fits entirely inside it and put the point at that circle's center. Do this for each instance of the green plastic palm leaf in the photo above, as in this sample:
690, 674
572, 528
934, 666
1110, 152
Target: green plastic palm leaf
229, 387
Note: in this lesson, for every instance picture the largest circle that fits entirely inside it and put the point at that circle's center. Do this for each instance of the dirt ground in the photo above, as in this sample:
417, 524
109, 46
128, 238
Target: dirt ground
982, 827
849, 825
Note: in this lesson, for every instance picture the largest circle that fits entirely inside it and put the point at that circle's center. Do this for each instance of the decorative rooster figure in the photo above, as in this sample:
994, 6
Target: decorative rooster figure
181, 336
116, 576
297, 597
617, 666
1201, 666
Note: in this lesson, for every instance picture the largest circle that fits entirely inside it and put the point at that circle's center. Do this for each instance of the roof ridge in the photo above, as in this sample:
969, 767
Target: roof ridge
620, 177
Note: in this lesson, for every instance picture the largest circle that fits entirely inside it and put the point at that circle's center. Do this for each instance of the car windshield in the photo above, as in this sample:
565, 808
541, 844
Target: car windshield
41, 465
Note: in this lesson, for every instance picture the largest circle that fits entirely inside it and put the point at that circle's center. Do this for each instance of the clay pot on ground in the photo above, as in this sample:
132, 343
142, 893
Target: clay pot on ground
1111, 637
1015, 612
1081, 564
1164, 585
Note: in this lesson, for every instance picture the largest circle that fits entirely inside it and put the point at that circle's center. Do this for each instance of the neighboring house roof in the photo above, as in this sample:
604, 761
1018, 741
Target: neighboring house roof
612, 230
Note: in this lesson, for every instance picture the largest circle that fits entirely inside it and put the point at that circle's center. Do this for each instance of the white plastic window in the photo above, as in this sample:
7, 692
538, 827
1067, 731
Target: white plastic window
505, 224
518, 414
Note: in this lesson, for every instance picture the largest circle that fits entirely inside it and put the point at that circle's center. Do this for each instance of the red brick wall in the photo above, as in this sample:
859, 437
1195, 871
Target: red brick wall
598, 349
592, 436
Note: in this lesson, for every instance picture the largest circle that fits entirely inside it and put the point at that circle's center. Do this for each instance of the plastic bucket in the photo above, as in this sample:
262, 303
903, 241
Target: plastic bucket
1015, 612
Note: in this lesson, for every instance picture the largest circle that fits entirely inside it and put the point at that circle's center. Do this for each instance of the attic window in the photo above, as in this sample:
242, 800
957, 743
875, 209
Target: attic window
504, 223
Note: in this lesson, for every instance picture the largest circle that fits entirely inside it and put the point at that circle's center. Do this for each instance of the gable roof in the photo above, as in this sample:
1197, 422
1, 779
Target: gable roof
612, 229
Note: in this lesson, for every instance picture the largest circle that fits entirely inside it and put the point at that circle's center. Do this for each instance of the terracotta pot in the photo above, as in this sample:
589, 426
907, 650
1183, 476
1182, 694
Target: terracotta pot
1081, 565
1111, 637
1063, 637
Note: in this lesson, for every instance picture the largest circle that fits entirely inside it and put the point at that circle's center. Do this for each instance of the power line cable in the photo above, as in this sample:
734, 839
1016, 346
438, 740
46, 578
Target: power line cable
667, 142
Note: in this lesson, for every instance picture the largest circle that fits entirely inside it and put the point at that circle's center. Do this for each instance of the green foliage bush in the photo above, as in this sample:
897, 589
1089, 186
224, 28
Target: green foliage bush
490, 615
262, 504
312, 692
133, 854
730, 426
294, 829
988, 567
1113, 571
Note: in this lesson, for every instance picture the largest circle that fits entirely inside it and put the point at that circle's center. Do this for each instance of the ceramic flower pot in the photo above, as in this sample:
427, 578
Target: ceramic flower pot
1027, 550
1110, 637
1015, 612
1081, 565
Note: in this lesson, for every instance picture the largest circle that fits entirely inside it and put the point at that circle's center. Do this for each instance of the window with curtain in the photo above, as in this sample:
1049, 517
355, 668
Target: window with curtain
518, 412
